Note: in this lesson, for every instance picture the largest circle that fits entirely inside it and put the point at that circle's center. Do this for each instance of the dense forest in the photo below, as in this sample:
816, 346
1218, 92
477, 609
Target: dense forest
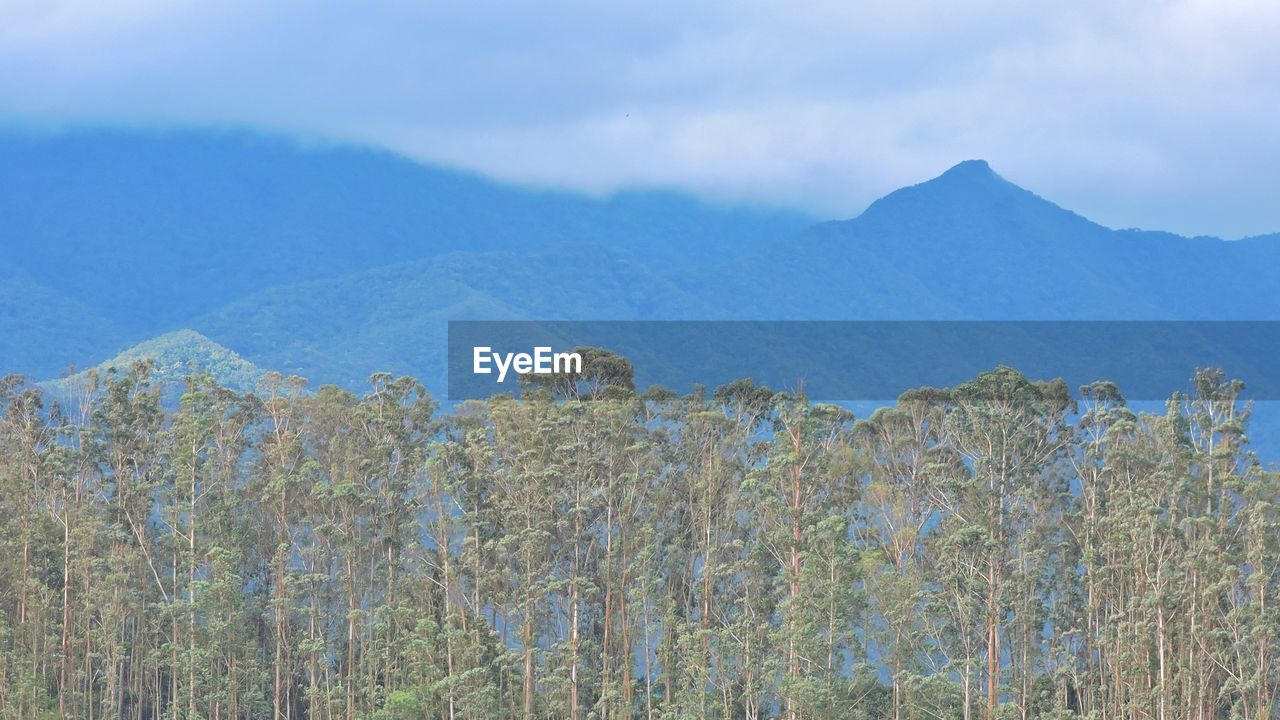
1005, 548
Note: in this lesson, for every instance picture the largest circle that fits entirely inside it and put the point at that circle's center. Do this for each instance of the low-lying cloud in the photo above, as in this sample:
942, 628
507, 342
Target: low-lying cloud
1156, 114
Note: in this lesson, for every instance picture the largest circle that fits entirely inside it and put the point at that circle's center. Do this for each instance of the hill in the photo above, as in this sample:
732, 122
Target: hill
394, 318
970, 244
152, 229
175, 356
42, 332
335, 262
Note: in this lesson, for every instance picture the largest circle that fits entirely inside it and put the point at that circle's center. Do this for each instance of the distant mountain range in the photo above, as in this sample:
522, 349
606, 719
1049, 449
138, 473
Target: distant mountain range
334, 262
112, 237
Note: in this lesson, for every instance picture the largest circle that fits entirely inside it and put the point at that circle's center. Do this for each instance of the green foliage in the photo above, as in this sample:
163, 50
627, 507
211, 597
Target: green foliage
985, 551
173, 356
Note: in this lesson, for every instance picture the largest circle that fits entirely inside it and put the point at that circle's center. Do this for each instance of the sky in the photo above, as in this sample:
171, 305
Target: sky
1162, 115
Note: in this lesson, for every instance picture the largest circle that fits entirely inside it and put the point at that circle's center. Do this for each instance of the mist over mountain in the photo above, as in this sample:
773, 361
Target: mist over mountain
148, 230
334, 262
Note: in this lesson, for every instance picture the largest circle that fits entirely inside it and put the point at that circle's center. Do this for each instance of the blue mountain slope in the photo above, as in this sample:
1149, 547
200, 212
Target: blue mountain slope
970, 244
394, 318
41, 330
967, 244
151, 229
337, 262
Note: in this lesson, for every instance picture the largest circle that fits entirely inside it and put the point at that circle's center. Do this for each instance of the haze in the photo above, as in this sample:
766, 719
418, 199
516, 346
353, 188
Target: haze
1157, 114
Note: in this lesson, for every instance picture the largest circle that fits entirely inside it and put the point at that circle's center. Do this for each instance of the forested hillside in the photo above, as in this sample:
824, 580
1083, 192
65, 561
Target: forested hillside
990, 550
172, 356
395, 317
331, 262
133, 234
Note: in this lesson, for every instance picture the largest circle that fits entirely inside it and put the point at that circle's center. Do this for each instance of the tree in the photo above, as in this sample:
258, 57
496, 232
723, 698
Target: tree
975, 551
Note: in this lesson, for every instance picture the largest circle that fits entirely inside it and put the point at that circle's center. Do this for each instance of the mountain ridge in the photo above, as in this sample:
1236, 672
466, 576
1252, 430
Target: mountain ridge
373, 287
129, 234
970, 185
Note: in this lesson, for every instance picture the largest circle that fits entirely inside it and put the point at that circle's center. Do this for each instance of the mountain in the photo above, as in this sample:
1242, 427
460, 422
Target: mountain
39, 328
394, 318
175, 356
150, 229
966, 245
970, 244
336, 262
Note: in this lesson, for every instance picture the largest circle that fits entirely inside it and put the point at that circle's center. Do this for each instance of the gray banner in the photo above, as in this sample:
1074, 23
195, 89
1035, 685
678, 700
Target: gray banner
876, 360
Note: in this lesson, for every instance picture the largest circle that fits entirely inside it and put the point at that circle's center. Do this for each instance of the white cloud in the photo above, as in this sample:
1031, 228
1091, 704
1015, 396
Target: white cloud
1159, 114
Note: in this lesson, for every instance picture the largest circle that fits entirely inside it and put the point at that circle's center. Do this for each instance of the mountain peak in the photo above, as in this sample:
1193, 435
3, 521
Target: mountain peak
971, 170
175, 355
969, 194
973, 179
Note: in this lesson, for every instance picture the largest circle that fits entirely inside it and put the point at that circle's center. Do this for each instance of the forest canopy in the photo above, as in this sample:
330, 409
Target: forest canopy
1005, 548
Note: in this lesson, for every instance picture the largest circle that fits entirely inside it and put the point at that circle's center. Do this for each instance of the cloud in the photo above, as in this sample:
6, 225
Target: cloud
1156, 114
